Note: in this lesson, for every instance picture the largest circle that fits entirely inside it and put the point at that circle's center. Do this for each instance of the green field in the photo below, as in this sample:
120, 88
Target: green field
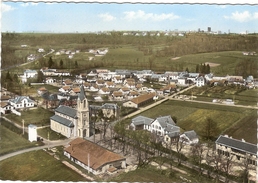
38, 117
192, 116
12, 138
48, 133
240, 95
29, 167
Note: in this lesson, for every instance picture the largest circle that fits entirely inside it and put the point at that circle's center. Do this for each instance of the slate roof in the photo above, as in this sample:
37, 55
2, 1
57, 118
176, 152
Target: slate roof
62, 121
140, 120
81, 95
99, 156
19, 99
67, 111
237, 144
191, 134
109, 106
164, 121
172, 129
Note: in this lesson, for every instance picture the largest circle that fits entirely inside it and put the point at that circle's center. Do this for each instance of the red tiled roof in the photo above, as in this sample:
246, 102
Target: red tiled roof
98, 156
143, 98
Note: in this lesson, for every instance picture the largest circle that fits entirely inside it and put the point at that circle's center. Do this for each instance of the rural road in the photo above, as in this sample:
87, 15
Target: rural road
48, 145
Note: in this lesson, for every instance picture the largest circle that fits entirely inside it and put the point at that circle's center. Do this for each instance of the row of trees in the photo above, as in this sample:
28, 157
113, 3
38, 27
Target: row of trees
149, 147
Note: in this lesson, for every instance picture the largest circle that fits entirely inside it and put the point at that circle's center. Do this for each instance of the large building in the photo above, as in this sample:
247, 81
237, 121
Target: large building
72, 122
239, 149
93, 157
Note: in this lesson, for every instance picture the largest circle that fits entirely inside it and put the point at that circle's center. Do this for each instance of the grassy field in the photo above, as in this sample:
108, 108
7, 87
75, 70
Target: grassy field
43, 132
240, 95
12, 138
245, 129
152, 174
29, 167
38, 117
192, 116
16, 143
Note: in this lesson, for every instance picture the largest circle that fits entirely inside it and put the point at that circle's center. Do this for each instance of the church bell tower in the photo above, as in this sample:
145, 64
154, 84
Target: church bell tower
83, 125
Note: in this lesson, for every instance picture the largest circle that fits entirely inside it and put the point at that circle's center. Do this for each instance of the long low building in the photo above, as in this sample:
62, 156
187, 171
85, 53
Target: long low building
239, 149
93, 157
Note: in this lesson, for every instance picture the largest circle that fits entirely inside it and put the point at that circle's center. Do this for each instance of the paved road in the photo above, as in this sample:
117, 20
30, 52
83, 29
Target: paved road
48, 145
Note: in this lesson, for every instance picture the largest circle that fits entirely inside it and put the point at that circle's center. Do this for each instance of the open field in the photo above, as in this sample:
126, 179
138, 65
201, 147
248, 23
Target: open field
38, 117
48, 133
153, 174
192, 116
12, 138
240, 95
29, 167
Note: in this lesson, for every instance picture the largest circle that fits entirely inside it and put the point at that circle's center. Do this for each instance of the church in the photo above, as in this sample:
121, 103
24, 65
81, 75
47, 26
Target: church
72, 122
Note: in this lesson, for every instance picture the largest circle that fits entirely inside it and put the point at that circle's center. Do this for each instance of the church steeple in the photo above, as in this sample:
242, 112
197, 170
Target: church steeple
83, 126
82, 93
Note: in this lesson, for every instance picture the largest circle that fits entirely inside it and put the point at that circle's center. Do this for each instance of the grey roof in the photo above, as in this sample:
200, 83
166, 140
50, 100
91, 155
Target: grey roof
19, 99
62, 121
67, 111
191, 134
141, 120
81, 95
109, 106
164, 121
237, 144
172, 129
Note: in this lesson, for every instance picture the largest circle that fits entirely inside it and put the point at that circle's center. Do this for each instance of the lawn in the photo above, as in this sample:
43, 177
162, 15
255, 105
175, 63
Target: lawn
191, 115
29, 167
152, 174
12, 138
38, 117
48, 133
245, 129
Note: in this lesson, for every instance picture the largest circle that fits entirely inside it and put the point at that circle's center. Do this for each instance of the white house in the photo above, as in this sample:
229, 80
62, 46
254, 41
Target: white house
21, 102
200, 81
30, 73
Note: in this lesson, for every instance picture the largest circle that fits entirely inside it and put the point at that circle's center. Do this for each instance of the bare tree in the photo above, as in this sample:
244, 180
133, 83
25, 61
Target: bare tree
198, 155
226, 165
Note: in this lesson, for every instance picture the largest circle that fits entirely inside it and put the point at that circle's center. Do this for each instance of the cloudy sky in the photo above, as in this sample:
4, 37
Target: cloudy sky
89, 17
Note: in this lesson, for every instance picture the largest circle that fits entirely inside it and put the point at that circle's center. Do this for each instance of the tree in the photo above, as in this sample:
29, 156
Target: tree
76, 64
61, 64
187, 70
8, 77
210, 128
50, 62
40, 77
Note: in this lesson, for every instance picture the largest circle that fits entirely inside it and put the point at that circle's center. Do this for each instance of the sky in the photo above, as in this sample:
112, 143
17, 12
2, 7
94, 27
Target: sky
92, 17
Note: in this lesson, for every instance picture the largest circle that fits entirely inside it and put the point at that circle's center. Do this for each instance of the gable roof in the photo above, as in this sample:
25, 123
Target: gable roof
165, 121
67, 111
191, 134
62, 121
141, 120
19, 99
143, 98
98, 156
237, 144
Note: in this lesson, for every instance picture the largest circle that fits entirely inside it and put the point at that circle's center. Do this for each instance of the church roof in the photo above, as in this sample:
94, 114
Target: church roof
67, 111
62, 121
81, 95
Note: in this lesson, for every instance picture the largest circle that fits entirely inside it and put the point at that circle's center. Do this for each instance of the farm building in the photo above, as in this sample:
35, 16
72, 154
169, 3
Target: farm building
93, 157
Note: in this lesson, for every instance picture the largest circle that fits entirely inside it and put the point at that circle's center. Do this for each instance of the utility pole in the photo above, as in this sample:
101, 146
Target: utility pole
48, 140
88, 163
22, 126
